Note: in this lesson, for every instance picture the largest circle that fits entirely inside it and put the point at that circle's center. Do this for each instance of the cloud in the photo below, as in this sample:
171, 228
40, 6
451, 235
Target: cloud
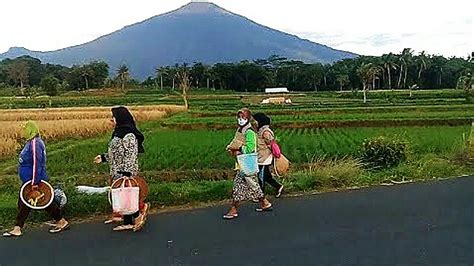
358, 26
456, 43
379, 40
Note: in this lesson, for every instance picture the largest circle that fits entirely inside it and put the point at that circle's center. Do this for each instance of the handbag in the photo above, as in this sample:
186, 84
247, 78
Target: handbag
248, 163
125, 198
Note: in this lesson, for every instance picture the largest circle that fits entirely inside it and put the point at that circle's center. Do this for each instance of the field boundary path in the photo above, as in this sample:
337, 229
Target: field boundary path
428, 223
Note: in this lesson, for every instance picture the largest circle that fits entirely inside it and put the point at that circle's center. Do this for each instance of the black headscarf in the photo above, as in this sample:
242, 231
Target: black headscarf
125, 125
262, 119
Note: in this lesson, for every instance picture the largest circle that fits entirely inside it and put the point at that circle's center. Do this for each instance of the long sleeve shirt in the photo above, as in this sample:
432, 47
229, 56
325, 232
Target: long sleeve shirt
32, 161
122, 156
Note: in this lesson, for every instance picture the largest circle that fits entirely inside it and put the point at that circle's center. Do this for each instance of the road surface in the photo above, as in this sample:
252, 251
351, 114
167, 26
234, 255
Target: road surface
424, 223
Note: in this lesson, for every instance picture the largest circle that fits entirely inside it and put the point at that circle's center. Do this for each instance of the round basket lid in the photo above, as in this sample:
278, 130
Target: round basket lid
38, 198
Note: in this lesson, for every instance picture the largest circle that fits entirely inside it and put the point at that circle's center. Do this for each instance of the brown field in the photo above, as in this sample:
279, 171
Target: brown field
140, 113
60, 123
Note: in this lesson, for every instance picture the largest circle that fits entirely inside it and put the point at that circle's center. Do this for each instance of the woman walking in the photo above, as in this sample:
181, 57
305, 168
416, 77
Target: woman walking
122, 157
245, 187
265, 155
32, 167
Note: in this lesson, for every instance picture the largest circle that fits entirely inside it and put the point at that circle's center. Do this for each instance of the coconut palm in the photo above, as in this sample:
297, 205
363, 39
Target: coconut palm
438, 62
389, 64
160, 72
365, 74
86, 72
123, 75
405, 59
422, 61
343, 80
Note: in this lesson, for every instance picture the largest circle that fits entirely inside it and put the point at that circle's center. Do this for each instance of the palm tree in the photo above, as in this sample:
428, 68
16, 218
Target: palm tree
123, 75
438, 63
160, 71
364, 72
85, 73
405, 58
316, 74
375, 71
326, 71
389, 64
343, 80
368, 73
212, 76
422, 61
174, 74
207, 75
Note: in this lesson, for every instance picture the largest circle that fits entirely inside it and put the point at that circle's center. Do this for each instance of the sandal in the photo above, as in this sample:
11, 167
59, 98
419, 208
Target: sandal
146, 209
141, 219
139, 223
230, 216
123, 227
114, 220
58, 229
279, 192
51, 223
265, 209
10, 234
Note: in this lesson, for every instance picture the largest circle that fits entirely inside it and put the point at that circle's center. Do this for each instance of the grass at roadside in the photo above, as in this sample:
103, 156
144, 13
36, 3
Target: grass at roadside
320, 175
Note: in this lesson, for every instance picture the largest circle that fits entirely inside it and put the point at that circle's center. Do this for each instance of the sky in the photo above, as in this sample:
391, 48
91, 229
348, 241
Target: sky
367, 27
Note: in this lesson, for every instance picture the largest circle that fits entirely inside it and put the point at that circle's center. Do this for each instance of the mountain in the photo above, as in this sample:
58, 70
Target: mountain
196, 32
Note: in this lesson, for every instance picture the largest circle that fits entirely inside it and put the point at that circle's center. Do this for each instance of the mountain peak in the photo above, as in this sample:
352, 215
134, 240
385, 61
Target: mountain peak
197, 32
200, 7
17, 49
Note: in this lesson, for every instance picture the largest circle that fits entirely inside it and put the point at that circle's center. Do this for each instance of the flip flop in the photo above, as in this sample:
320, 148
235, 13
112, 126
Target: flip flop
146, 210
230, 216
114, 220
138, 226
51, 223
266, 209
9, 234
58, 229
123, 227
279, 192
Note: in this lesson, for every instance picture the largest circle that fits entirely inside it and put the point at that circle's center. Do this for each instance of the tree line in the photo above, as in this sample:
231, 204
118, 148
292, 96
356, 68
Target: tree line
405, 70
389, 71
25, 72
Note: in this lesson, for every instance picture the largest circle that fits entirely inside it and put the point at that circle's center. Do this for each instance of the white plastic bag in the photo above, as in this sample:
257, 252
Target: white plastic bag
125, 199
92, 190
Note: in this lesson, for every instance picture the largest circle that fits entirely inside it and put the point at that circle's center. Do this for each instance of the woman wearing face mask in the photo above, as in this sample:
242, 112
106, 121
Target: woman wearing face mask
245, 188
122, 157
265, 156
32, 167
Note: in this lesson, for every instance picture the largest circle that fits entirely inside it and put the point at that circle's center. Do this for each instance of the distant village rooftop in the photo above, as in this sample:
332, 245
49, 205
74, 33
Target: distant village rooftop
276, 90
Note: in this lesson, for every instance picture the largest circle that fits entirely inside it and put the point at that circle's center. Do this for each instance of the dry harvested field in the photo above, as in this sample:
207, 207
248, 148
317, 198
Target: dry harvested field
60, 123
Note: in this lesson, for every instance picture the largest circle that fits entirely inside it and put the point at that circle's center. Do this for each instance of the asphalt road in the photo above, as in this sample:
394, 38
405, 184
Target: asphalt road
412, 224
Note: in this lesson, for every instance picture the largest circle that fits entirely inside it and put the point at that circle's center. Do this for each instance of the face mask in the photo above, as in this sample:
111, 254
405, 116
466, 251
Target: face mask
242, 121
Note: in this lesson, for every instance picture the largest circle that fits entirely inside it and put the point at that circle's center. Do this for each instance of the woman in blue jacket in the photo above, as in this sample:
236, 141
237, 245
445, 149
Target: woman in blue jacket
32, 167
